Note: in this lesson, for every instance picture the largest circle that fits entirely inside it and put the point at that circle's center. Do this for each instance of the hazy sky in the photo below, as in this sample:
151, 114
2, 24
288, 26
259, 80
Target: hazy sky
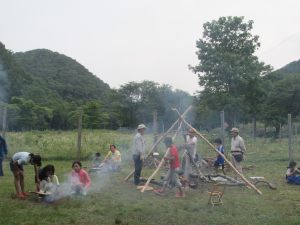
135, 40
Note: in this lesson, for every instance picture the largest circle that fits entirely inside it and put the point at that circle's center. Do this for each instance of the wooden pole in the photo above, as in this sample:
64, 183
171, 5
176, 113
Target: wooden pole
290, 137
107, 155
160, 139
213, 147
79, 134
157, 169
154, 128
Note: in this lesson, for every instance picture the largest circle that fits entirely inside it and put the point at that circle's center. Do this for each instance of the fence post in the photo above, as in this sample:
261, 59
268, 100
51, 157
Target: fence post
154, 128
79, 134
222, 127
290, 137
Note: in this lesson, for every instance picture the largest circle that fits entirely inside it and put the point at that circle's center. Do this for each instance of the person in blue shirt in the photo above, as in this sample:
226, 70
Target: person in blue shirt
3, 153
292, 174
220, 160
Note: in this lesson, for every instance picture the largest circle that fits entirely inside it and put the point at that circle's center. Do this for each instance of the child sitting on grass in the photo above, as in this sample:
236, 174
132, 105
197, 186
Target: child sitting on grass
96, 160
17, 162
114, 159
291, 174
49, 181
80, 179
171, 176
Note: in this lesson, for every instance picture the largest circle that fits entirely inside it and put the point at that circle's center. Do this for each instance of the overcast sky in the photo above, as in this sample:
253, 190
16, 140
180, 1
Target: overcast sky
135, 40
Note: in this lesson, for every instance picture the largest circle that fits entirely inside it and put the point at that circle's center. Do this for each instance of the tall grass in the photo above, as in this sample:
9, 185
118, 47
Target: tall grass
118, 202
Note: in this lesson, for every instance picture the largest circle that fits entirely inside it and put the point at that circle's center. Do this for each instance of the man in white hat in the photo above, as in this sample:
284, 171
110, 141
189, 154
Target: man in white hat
237, 149
139, 149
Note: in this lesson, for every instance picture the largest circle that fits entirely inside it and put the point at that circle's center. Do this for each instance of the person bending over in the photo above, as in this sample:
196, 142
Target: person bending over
17, 162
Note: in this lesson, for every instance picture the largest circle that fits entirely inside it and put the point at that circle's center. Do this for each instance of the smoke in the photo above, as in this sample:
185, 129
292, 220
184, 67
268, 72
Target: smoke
3, 83
68, 188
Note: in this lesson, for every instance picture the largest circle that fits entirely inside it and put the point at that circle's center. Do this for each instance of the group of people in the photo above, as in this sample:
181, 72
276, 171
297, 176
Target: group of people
46, 182
45, 179
111, 162
190, 156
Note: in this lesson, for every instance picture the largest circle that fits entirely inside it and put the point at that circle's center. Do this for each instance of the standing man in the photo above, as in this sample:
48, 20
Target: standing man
237, 149
139, 149
190, 153
3, 153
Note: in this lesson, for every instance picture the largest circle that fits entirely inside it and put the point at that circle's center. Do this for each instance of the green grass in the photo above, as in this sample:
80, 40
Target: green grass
117, 202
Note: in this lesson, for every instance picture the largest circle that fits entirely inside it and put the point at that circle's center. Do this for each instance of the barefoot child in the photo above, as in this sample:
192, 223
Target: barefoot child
171, 176
80, 179
16, 166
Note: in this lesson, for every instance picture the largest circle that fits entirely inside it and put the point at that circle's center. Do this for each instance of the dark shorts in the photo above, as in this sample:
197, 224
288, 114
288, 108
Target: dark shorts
12, 166
217, 165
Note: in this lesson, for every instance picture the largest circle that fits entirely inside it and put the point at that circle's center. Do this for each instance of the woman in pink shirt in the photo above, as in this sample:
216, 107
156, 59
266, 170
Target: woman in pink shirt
80, 179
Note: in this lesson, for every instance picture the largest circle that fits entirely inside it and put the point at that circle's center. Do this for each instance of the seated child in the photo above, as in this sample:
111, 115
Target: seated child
49, 181
114, 158
80, 179
17, 162
291, 174
219, 161
96, 160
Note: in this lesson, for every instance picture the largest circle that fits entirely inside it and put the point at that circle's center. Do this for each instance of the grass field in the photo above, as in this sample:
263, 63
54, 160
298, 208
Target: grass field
114, 201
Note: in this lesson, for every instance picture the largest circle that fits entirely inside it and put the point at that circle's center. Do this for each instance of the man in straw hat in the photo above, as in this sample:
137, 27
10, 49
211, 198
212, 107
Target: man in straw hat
139, 149
237, 149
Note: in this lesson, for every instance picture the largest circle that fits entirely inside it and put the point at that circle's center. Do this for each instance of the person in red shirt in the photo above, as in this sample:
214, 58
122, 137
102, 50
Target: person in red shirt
171, 176
80, 179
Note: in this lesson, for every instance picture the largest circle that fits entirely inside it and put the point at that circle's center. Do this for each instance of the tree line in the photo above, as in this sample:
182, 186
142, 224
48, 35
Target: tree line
46, 90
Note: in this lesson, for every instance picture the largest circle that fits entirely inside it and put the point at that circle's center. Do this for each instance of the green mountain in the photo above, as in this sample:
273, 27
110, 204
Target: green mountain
13, 79
44, 89
291, 68
61, 77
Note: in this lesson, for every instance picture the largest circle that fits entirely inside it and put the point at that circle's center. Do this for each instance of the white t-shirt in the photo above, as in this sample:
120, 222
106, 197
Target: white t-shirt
192, 142
22, 158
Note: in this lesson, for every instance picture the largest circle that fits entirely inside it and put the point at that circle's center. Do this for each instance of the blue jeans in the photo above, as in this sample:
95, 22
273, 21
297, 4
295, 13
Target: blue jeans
138, 165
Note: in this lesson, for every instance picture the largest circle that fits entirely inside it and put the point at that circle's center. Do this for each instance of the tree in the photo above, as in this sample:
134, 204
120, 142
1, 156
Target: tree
228, 69
283, 98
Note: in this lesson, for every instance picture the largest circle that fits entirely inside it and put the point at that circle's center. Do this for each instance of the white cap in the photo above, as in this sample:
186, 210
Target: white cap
141, 126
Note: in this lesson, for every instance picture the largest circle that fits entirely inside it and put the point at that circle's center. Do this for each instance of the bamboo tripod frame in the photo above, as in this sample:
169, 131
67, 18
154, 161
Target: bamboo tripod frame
229, 163
160, 139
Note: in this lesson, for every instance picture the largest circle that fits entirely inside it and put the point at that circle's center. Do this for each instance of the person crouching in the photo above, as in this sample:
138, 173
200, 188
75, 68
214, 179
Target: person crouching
80, 179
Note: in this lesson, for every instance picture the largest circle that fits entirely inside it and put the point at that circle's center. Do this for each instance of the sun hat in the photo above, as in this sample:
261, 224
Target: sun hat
192, 131
141, 126
234, 129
